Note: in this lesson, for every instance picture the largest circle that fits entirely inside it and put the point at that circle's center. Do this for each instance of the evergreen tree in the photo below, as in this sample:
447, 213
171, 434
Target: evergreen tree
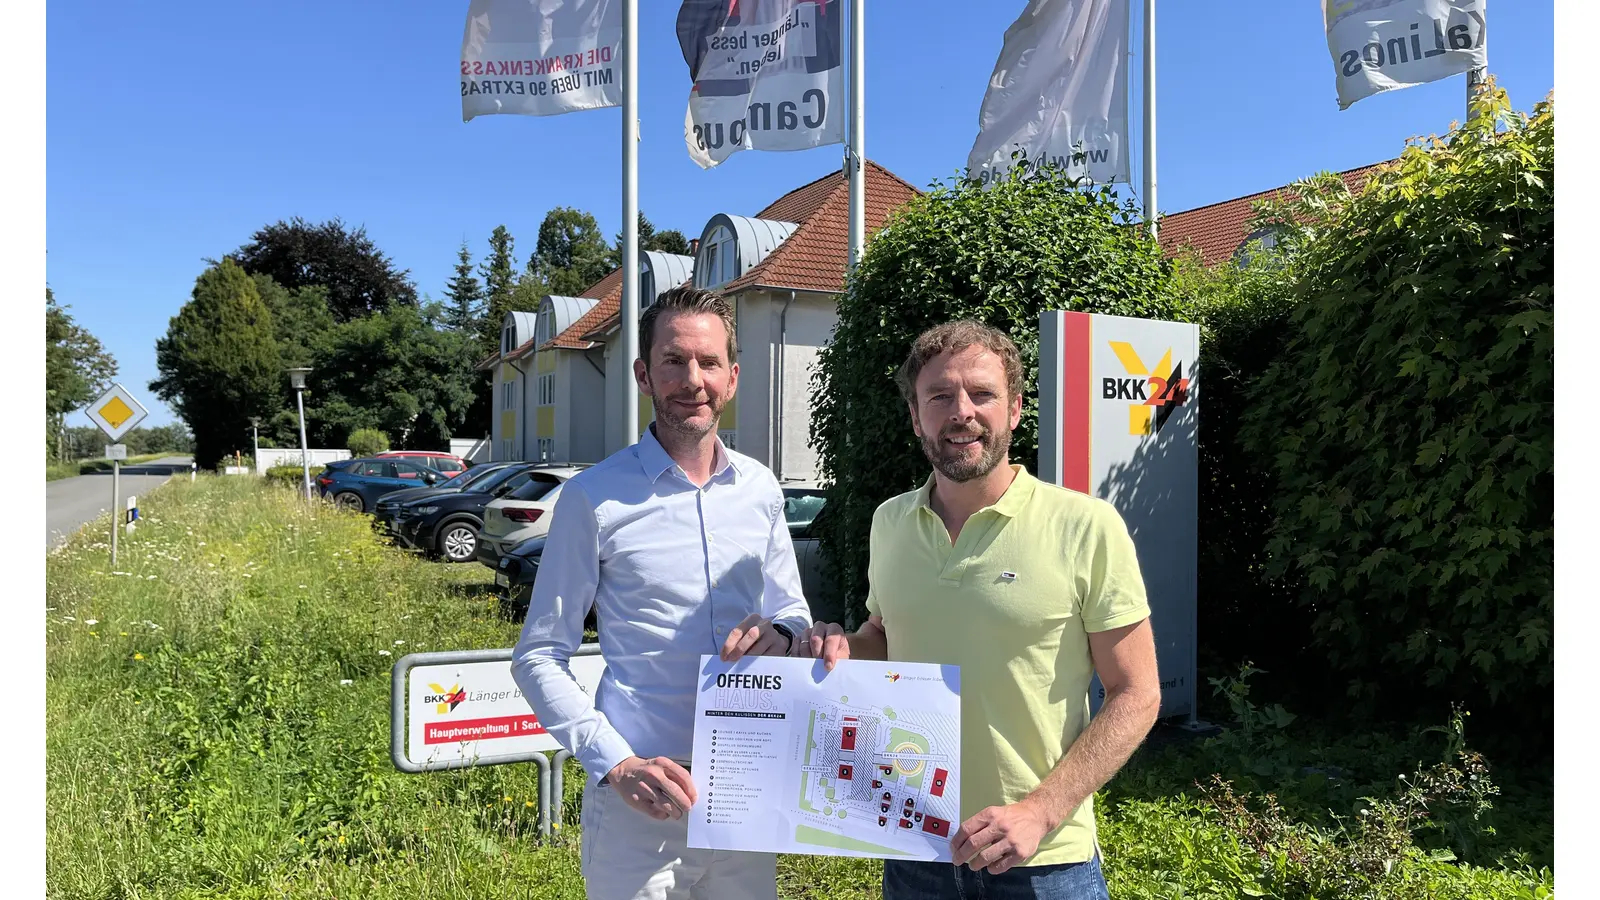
464, 295
218, 362
500, 279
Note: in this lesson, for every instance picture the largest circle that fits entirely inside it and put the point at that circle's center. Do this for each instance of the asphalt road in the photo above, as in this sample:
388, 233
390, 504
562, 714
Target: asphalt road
71, 502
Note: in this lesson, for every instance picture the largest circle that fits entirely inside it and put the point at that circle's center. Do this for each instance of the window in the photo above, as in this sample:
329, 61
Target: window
537, 486
508, 339
508, 395
547, 449
373, 468
800, 508
545, 330
408, 471
547, 390
719, 259
1268, 240
647, 285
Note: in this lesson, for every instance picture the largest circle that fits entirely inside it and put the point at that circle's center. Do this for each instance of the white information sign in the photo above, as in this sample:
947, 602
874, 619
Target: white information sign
117, 451
475, 711
861, 761
116, 412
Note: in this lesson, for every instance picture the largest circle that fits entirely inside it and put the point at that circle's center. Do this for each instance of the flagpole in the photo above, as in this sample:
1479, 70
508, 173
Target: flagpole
630, 215
856, 169
1150, 116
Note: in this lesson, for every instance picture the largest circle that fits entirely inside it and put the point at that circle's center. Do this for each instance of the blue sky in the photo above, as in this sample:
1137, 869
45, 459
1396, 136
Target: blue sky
175, 131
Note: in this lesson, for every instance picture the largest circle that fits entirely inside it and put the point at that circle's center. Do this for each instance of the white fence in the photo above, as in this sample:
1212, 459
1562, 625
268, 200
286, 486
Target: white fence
474, 450
269, 457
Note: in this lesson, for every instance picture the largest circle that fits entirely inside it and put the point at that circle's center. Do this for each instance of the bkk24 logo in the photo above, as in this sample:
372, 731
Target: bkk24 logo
1155, 392
447, 699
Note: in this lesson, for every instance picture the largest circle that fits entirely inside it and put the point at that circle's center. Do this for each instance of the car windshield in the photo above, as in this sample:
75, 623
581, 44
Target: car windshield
470, 479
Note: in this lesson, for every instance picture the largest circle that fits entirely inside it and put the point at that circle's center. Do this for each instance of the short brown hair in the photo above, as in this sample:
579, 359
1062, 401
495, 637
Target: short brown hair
954, 337
686, 299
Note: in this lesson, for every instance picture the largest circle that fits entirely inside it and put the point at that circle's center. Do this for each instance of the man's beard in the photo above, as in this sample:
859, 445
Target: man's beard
994, 445
668, 417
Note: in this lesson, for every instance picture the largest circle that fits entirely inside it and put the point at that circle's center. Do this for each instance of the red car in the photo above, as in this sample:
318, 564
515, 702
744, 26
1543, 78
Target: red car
447, 464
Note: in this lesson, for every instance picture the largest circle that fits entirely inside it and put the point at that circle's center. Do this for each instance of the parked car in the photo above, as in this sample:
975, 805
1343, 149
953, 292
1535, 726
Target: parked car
447, 463
447, 526
358, 483
482, 477
517, 568
523, 513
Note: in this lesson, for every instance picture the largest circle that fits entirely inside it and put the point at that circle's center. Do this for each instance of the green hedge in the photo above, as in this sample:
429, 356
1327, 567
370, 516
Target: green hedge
1408, 424
1001, 256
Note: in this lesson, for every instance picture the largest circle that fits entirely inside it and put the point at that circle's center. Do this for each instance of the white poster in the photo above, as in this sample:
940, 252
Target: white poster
861, 761
475, 711
767, 76
540, 58
1385, 45
1059, 92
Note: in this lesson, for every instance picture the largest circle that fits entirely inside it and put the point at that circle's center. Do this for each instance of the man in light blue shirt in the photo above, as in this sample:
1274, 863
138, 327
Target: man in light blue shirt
682, 548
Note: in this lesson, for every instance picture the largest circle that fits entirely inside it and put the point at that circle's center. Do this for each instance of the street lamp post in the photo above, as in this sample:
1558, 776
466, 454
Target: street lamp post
255, 442
297, 378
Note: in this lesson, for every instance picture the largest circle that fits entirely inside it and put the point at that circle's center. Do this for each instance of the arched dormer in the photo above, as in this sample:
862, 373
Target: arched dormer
661, 272
730, 245
557, 314
515, 330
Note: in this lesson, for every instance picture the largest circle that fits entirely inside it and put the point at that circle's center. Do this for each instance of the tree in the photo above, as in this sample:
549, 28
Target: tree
464, 295
571, 254
77, 368
1409, 421
398, 371
669, 241
1001, 256
301, 322
218, 362
359, 278
367, 442
499, 272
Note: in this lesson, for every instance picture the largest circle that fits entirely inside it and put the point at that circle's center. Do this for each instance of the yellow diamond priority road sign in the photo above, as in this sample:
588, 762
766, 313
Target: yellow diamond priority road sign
116, 412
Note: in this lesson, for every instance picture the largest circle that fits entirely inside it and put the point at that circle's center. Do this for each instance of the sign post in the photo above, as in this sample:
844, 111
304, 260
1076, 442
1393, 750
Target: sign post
117, 413
1119, 419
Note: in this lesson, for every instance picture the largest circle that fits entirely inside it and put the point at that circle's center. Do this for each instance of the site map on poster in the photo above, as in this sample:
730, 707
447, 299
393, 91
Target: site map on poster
861, 761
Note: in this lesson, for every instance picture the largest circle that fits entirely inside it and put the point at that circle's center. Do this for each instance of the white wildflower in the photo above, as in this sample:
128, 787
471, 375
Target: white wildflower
345, 682
384, 653
91, 621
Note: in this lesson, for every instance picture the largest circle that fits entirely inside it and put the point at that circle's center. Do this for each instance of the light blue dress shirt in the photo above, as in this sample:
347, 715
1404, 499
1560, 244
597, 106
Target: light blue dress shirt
671, 568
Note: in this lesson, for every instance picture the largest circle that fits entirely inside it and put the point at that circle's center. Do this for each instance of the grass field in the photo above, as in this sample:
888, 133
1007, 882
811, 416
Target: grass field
218, 727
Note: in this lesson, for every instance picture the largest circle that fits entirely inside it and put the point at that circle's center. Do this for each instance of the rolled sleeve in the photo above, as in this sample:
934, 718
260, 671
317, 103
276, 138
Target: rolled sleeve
783, 599
563, 593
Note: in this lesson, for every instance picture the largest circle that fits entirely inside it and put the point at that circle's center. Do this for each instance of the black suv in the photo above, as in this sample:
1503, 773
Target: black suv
447, 525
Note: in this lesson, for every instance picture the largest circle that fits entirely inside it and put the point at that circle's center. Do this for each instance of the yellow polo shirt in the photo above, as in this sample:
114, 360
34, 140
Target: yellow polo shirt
1012, 603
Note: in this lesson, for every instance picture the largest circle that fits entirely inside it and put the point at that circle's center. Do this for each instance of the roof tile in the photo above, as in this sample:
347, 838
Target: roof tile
1216, 231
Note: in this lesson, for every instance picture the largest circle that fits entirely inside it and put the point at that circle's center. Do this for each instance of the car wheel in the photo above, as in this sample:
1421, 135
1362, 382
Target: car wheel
350, 500
458, 542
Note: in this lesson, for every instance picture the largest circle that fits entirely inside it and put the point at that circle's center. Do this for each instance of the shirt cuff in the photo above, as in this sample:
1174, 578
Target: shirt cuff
603, 754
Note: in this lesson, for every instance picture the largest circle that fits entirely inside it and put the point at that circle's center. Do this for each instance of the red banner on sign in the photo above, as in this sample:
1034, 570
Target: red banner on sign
482, 729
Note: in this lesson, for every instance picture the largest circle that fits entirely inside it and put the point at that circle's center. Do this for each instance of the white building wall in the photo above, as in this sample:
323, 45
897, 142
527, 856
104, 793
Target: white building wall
810, 325
586, 405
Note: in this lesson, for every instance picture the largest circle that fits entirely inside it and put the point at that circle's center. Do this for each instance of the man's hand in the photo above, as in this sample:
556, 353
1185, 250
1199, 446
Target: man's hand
999, 837
755, 636
659, 788
824, 641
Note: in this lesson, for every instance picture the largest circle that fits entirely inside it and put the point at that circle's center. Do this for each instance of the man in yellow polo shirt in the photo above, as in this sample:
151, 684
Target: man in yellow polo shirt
1031, 589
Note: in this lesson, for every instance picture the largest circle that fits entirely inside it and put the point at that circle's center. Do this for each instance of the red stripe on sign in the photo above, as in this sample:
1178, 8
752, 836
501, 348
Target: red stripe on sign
481, 729
1075, 393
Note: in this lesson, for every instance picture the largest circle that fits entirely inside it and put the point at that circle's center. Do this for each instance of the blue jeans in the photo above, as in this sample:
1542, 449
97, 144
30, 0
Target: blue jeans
903, 880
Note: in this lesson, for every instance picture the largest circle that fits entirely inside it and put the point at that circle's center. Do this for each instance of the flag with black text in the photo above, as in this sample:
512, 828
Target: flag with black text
767, 75
1059, 93
1385, 45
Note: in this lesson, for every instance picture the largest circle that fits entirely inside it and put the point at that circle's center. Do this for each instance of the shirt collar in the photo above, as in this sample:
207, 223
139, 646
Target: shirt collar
655, 460
1010, 503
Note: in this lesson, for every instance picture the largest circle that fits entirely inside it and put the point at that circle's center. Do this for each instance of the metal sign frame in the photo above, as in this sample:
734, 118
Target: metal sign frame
550, 765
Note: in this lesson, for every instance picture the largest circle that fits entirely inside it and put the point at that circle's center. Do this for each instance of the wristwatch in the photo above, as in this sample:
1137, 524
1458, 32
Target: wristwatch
783, 629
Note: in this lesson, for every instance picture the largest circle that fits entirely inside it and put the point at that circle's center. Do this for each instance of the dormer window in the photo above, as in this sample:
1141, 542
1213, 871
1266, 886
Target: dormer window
545, 329
508, 338
647, 285
719, 259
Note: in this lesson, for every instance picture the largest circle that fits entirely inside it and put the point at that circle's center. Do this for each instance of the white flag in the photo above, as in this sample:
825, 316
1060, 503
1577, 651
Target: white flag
1385, 45
540, 57
1059, 89
767, 76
